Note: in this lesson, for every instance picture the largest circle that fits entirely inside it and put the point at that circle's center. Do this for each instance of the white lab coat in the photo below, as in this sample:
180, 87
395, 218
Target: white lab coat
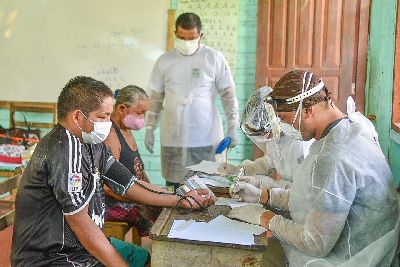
188, 86
191, 84
283, 156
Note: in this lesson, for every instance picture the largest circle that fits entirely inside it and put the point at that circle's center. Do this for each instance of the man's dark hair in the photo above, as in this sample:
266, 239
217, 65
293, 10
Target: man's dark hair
83, 93
290, 85
188, 21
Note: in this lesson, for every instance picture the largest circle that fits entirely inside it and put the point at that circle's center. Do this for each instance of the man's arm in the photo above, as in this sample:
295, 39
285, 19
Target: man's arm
93, 239
231, 110
122, 182
138, 194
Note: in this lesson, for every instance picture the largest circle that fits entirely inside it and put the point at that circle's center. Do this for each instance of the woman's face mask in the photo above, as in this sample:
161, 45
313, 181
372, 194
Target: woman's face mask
187, 47
133, 122
99, 133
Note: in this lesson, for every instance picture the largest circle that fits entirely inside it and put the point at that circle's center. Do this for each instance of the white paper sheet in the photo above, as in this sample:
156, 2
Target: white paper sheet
216, 180
222, 221
210, 167
233, 203
214, 232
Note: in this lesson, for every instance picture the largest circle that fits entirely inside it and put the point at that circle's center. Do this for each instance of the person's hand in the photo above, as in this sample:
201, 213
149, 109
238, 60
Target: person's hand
228, 169
245, 192
251, 180
232, 134
202, 196
249, 213
263, 182
254, 214
149, 140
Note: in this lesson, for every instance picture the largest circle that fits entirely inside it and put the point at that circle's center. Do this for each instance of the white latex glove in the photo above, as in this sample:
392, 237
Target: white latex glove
251, 180
149, 140
232, 134
228, 169
245, 192
263, 182
249, 213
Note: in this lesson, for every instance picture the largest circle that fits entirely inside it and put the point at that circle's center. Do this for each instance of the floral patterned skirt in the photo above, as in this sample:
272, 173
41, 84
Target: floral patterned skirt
140, 216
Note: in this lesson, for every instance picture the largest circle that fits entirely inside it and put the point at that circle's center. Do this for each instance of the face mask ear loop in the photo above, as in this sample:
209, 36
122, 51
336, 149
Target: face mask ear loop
86, 117
303, 89
300, 104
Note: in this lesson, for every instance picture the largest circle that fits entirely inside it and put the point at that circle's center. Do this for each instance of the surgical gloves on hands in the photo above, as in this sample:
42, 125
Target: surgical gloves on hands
245, 192
149, 140
228, 169
251, 180
249, 213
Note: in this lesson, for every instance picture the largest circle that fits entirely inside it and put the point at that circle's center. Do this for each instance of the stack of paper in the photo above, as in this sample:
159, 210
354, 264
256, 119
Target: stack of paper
210, 167
233, 203
220, 230
216, 180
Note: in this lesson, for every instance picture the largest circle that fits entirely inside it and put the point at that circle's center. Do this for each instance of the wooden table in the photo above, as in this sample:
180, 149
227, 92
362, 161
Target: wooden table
177, 252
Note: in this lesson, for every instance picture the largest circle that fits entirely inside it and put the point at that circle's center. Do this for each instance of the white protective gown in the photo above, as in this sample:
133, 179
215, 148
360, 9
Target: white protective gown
342, 202
283, 157
188, 86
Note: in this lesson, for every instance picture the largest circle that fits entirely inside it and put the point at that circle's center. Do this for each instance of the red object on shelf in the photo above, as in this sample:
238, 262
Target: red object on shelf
15, 160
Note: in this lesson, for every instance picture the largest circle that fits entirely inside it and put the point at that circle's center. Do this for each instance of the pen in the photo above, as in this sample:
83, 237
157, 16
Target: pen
226, 157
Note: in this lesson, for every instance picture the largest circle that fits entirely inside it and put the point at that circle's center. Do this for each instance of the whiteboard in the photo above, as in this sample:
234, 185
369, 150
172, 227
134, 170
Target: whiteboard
43, 43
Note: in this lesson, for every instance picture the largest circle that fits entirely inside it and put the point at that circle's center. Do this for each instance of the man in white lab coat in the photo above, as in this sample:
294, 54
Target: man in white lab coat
184, 85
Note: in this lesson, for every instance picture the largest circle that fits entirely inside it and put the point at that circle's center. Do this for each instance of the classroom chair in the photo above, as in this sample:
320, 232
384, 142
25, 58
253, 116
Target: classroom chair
35, 107
7, 220
119, 229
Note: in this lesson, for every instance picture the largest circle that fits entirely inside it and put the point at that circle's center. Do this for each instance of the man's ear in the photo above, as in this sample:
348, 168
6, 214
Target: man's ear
309, 112
75, 115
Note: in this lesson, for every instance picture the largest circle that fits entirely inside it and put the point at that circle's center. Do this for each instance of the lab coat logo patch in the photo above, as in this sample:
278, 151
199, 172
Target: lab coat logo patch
74, 182
196, 73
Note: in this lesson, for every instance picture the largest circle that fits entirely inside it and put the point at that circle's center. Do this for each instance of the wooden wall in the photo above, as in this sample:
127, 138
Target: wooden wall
379, 87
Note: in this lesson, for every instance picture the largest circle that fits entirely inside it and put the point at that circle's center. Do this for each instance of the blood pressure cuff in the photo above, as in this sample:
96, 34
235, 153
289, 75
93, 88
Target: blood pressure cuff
117, 177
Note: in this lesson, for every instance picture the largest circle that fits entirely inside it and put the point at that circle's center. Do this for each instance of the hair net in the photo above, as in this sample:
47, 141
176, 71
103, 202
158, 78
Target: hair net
293, 84
255, 115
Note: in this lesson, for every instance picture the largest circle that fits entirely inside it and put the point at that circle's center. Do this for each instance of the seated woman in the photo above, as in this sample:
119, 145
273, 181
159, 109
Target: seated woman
129, 110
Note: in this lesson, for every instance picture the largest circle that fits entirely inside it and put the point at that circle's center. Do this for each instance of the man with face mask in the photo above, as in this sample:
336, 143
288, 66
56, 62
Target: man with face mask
343, 205
60, 201
185, 83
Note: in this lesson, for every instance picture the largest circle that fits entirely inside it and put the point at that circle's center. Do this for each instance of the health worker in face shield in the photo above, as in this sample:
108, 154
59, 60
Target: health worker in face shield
342, 202
281, 155
184, 85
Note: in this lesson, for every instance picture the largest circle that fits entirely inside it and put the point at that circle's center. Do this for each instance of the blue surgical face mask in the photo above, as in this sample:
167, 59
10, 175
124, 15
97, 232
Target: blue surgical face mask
99, 133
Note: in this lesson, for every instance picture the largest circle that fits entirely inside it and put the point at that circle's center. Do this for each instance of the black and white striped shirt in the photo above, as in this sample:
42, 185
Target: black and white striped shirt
63, 177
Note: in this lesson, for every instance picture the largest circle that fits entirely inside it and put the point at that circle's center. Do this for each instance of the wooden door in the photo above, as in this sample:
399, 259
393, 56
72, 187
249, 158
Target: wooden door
327, 37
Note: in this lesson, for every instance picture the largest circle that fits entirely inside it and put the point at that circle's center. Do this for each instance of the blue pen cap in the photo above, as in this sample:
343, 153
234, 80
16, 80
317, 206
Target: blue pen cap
223, 145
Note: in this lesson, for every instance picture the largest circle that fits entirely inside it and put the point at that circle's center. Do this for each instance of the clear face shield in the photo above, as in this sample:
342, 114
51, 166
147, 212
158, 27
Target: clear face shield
257, 117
